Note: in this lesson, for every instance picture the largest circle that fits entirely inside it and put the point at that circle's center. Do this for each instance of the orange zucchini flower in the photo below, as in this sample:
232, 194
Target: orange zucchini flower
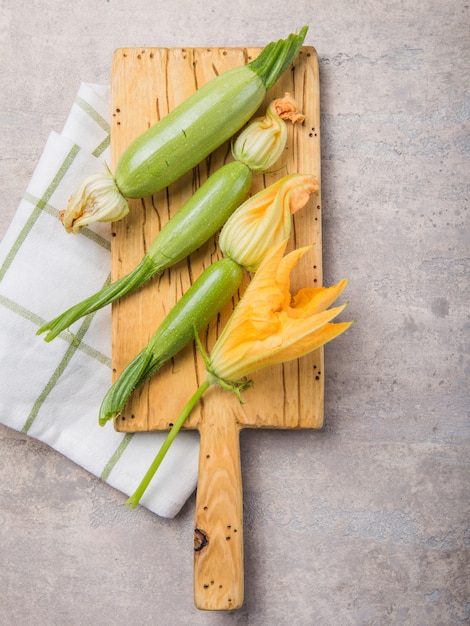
269, 325
265, 219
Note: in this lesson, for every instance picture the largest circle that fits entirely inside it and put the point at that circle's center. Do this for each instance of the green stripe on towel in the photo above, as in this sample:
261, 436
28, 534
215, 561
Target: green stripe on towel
93, 113
116, 456
41, 203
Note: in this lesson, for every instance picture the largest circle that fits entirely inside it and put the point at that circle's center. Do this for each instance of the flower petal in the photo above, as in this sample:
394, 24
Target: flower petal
298, 338
265, 328
285, 267
312, 342
311, 300
96, 200
265, 219
287, 108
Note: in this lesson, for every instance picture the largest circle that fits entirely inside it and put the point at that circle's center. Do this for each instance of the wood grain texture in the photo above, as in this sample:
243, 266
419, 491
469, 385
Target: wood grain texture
146, 84
218, 535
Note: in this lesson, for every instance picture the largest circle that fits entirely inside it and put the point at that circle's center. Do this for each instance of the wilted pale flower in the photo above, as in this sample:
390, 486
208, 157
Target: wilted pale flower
97, 200
269, 325
265, 219
261, 143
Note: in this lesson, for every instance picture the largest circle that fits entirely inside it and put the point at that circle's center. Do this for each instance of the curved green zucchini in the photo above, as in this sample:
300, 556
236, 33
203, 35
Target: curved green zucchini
202, 123
191, 313
192, 225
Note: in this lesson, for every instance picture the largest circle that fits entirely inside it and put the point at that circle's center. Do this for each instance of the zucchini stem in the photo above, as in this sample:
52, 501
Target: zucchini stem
111, 292
276, 57
134, 500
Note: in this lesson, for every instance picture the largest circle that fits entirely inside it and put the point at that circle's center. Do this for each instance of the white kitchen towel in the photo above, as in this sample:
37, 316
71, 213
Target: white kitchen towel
53, 391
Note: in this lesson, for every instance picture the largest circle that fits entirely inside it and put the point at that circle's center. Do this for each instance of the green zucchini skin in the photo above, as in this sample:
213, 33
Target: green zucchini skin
202, 215
202, 122
195, 309
191, 226
189, 133
192, 312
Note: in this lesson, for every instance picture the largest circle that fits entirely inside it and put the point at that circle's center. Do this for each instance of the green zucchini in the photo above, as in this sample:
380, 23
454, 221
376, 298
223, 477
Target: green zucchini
182, 138
192, 312
191, 226
202, 215
203, 122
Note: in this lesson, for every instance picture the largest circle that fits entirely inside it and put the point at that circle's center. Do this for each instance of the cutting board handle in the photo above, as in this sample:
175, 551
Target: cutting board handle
218, 539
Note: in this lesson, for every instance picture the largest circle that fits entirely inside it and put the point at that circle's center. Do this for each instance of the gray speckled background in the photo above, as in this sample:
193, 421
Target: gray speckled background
367, 521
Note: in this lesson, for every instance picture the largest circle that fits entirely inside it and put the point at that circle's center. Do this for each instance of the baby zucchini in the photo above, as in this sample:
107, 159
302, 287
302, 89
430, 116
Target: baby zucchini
191, 226
192, 312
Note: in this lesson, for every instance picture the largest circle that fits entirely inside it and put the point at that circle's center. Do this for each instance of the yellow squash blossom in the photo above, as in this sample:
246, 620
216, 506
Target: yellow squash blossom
265, 219
268, 326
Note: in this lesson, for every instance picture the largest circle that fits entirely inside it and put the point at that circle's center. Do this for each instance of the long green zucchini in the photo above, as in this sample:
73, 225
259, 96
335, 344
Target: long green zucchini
184, 137
192, 312
203, 122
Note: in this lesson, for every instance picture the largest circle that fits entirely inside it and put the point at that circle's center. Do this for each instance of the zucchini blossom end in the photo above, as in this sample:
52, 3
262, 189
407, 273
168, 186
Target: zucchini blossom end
98, 199
262, 142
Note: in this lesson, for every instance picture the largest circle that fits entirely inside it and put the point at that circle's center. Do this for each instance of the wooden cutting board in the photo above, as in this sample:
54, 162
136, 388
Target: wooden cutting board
146, 84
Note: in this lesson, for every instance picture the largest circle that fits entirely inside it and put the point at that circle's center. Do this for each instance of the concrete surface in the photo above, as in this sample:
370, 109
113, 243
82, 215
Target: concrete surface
366, 522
